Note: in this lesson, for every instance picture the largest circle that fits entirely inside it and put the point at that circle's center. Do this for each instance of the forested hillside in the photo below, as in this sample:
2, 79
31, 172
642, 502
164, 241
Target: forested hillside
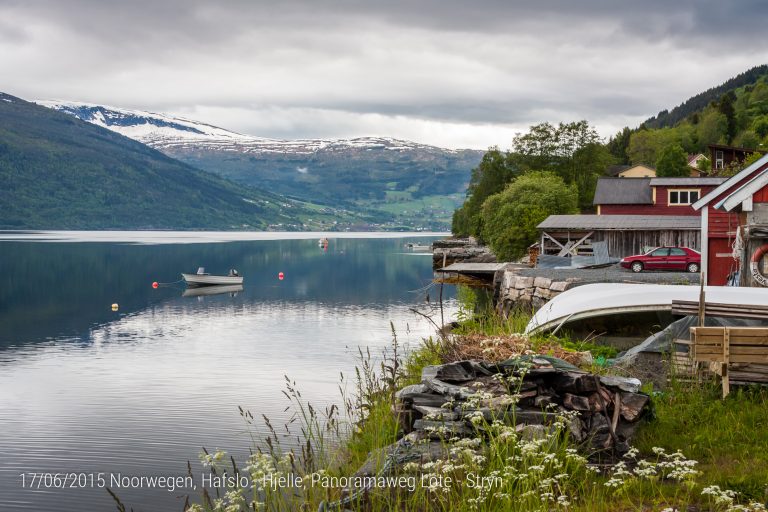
667, 118
58, 172
565, 161
734, 113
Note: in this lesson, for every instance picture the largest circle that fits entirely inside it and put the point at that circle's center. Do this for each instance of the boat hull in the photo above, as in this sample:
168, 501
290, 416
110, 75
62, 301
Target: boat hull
209, 280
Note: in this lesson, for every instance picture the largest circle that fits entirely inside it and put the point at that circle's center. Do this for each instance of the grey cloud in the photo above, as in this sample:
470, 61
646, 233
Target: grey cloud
494, 61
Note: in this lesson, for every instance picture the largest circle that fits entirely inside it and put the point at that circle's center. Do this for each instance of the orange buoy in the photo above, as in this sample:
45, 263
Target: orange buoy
155, 284
281, 276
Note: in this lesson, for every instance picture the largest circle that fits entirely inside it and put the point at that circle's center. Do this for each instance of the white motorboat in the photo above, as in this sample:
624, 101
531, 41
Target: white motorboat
416, 247
202, 278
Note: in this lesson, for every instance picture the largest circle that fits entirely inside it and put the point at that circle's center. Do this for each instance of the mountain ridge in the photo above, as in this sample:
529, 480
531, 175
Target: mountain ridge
419, 184
198, 131
62, 173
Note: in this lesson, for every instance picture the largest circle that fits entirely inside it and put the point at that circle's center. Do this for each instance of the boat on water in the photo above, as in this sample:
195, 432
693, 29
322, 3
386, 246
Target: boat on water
202, 278
412, 246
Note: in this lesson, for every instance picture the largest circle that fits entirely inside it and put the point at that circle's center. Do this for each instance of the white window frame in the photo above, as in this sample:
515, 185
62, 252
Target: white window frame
687, 191
719, 159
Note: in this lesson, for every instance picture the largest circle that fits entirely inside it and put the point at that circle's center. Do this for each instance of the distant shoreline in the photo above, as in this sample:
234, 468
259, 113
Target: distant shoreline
172, 237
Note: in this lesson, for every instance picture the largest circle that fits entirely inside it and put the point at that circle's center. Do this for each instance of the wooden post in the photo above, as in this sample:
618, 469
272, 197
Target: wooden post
702, 300
726, 358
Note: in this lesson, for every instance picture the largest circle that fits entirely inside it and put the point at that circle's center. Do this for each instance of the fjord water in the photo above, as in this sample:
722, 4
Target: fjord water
139, 391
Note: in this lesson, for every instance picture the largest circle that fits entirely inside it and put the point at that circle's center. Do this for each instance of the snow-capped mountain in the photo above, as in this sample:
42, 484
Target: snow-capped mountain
367, 173
166, 132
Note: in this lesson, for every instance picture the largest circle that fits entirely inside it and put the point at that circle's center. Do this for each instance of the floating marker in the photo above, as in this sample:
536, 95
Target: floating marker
155, 284
281, 276
115, 306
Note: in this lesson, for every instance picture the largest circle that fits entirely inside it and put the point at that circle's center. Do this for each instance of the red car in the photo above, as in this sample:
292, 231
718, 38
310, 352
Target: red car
664, 258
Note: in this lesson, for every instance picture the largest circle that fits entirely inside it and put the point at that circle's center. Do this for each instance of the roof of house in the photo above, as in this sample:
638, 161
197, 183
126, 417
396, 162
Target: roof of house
736, 148
623, 191
730, 182
744, 192
657, 182
628, 222
615, 170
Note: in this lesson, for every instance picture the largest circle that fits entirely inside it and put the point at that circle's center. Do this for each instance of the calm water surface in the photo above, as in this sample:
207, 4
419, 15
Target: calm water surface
140, 391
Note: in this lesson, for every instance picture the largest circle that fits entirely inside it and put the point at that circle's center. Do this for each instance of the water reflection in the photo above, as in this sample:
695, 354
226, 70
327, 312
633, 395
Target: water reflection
201, 291
140, 391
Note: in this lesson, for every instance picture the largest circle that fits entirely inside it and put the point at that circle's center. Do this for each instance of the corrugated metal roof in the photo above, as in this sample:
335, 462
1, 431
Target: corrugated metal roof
686, 181
633, 222
623, 191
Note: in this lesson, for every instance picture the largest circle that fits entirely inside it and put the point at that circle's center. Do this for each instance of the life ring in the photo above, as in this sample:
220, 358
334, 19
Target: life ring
754, 265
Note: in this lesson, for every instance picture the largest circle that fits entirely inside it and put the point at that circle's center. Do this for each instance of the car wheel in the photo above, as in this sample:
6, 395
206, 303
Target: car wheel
637, 267
693, 268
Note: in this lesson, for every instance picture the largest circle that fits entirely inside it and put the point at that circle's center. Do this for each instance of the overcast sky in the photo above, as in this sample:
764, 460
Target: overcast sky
446, 72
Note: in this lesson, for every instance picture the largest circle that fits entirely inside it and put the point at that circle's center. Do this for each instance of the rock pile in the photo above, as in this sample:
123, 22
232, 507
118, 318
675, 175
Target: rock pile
531, 392
459, 250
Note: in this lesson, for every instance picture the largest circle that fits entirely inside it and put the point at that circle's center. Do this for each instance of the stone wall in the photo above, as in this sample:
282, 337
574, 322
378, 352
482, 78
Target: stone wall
523, 291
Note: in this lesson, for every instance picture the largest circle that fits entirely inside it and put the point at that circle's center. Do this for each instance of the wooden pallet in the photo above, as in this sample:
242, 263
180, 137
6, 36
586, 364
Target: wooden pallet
729, 346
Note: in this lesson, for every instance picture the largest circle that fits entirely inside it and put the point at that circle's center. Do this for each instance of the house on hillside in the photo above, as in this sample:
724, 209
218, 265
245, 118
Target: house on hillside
734, 228
632, 171
651, 196
647, 171
722, 156
693, 164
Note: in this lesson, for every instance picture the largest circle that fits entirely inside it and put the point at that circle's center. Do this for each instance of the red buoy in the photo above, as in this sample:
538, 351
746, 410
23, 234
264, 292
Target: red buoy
155, 284
281, 276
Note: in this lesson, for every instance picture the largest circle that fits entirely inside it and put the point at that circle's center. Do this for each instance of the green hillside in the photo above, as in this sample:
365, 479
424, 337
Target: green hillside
510, 192
667, 118
58, 172
733, 113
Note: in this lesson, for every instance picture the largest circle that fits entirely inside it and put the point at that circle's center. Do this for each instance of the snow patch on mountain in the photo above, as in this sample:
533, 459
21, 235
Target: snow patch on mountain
165, 132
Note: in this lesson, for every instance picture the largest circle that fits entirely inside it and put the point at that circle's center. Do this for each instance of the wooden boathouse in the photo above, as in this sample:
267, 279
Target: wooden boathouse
625, 235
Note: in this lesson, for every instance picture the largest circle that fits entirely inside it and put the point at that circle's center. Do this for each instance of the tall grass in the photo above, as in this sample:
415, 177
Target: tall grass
501, 467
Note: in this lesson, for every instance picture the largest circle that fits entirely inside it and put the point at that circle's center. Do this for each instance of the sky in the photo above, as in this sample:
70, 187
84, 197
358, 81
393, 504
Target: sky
456, 74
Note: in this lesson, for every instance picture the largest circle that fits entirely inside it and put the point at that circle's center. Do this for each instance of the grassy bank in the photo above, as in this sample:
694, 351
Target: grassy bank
699, 453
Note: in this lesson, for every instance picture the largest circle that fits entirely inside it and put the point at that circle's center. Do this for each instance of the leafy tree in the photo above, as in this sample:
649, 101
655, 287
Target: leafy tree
725, 106
712, 128
747, 139
573, 151
751, 158
672, 162
493, 173
760, 126
510, 217
704, 165
588, 164
619, 144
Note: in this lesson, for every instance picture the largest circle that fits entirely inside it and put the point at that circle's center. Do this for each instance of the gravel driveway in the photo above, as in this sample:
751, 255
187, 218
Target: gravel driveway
612, 274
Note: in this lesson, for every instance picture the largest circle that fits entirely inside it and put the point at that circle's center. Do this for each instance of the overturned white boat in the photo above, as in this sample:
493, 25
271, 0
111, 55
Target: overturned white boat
595, 300
202, 278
